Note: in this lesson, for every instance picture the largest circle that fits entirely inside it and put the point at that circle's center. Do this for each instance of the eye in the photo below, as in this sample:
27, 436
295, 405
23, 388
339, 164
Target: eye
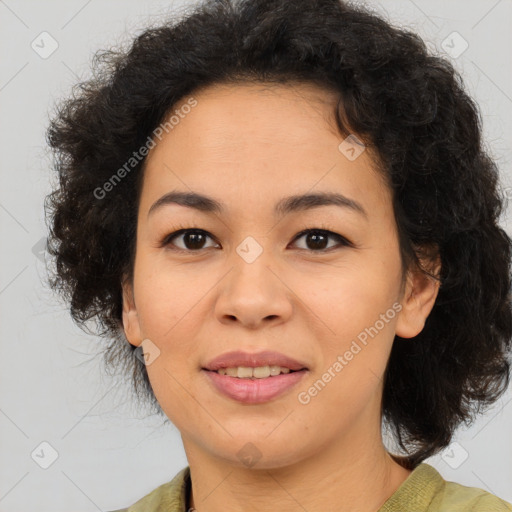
192, 239
317, 240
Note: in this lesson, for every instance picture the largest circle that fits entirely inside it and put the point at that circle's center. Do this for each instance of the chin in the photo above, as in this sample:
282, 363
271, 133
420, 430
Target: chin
258, 452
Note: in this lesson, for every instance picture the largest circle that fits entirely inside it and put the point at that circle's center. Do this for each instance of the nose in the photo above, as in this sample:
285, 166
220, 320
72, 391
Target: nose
254, 294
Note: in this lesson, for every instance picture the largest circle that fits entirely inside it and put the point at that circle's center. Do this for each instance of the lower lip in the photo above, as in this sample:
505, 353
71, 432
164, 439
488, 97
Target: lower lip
254, 391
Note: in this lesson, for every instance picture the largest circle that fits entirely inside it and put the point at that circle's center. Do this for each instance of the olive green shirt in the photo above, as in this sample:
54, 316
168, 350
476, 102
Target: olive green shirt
424, 490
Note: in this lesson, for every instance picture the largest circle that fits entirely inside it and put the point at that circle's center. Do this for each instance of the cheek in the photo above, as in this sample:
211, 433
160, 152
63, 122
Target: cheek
355, 312
169, 296
352, 355
345, 299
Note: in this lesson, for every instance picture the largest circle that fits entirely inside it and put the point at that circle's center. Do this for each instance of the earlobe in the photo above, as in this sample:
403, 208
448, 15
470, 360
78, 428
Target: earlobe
418, 300
131, 323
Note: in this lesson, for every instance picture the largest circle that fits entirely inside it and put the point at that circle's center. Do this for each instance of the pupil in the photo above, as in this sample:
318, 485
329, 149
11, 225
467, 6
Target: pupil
193, 240
314, 237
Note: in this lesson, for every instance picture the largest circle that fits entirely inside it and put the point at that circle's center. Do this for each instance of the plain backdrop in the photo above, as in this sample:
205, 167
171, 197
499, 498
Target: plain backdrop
60, 411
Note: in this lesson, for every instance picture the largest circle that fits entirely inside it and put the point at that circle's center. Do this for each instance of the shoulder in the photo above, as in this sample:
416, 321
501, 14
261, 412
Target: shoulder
460, 497
170, 496
425, 490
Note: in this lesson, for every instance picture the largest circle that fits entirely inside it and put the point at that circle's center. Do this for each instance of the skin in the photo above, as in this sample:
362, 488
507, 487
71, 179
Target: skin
248, 146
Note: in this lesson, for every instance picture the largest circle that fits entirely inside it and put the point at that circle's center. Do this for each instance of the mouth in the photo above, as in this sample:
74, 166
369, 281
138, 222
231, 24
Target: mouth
258, 372
253, 378
261, 362
251, 389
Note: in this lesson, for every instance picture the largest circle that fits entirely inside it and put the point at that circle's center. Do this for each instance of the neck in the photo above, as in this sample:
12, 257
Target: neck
356, 474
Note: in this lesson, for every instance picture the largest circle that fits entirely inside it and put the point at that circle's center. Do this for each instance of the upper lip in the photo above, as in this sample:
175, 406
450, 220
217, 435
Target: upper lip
266, 358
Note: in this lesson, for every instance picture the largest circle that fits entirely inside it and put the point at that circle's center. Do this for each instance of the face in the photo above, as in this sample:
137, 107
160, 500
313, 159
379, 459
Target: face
314, 280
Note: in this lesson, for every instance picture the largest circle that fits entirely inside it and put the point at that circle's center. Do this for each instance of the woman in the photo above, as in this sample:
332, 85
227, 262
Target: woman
282, 215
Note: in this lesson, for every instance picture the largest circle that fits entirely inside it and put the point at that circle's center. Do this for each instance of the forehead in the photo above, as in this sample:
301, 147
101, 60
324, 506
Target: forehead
270, 112
249, 139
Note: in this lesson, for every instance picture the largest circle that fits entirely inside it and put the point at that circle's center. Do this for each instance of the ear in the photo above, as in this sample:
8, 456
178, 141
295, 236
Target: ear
418, 300
131, 322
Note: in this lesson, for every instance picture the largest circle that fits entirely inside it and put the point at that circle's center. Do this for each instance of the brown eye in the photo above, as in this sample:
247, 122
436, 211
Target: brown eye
192, 239
318, 239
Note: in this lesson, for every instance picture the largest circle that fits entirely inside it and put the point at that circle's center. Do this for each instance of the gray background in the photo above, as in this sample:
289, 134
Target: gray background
108, 456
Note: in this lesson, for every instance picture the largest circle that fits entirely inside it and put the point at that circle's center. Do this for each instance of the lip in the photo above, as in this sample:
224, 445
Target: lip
266, 358
254, 391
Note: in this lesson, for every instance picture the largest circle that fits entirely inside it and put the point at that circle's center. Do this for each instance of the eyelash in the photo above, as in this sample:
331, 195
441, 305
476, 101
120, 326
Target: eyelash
343, 242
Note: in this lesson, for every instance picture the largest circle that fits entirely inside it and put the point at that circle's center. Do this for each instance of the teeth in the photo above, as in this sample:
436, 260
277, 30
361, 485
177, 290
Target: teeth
246, 372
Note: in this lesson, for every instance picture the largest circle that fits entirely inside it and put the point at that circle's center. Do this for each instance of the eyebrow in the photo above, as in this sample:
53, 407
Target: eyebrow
284, 206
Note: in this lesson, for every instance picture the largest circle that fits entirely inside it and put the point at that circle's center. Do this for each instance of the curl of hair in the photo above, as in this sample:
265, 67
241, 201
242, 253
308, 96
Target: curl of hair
405, 103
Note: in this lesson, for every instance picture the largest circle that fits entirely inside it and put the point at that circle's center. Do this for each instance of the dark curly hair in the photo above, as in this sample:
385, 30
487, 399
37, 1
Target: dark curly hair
405, 103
